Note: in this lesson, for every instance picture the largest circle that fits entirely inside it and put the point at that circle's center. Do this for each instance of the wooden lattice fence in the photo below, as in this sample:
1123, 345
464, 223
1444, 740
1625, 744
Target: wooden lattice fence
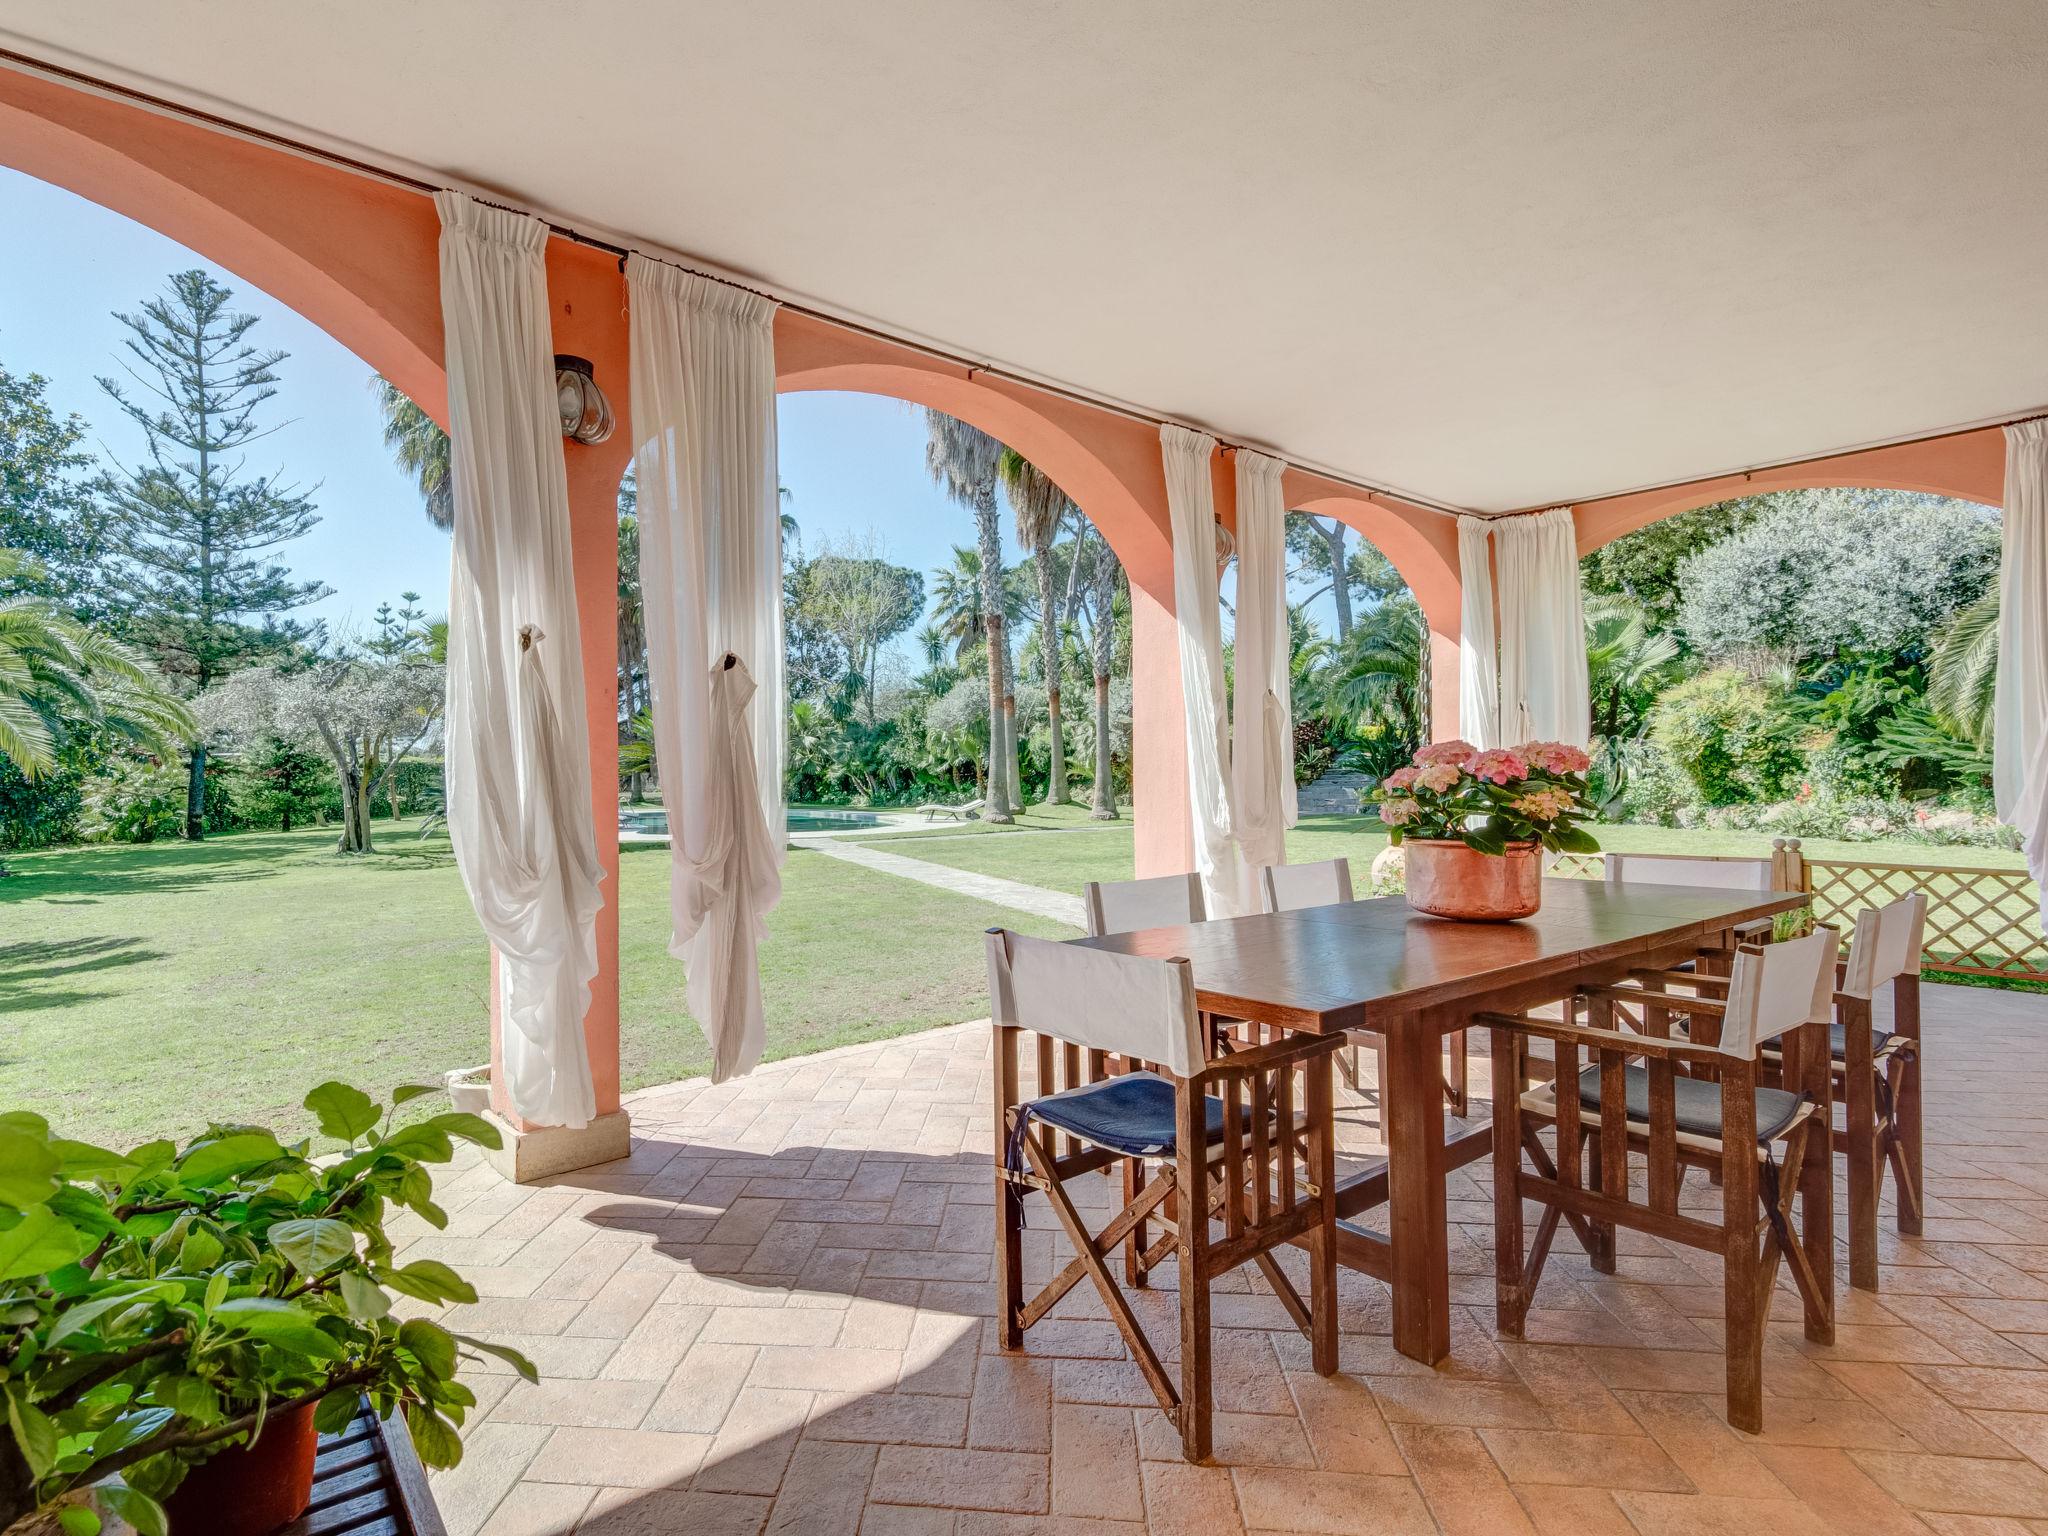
1985, 922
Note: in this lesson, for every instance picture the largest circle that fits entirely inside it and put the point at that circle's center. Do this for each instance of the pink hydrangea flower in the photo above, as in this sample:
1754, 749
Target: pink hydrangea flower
1401, 778
1398, 813
1444, 752
1438, 777
1555, 757
1546, 804
1500, 766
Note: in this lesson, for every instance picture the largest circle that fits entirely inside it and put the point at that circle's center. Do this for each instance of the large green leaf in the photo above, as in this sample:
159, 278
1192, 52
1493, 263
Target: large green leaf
137, 1508
511, 1357
83, 1160
429, 1280
27, 1121
313, 1243
215, 1162
277, 1323
405, 1093
38, 1243
432, 1436
78, 1520
468, 1127
344, 1113
363, 1297
425, 1141
431, 1343
130, 1429
28, 1169
82, 1316
33, 1431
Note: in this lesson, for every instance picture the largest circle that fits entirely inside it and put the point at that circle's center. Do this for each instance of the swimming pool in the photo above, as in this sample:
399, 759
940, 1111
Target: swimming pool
652, 821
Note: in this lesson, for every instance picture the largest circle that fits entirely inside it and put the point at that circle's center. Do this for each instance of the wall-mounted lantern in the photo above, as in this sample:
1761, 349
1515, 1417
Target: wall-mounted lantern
1226, 547
586, 414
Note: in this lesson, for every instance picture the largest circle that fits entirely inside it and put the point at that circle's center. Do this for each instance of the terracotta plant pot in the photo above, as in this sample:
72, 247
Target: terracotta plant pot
1448, 879
250, 1490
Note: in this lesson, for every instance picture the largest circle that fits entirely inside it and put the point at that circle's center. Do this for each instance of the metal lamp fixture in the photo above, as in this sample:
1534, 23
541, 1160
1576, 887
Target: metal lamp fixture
586, 414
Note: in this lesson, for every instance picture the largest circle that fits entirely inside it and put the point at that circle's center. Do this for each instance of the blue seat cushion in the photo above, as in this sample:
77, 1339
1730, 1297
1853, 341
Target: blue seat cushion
1696, 1103
1131, 1114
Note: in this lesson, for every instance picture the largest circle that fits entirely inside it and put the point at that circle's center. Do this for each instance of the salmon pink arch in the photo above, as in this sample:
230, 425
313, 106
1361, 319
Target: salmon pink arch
1969, 466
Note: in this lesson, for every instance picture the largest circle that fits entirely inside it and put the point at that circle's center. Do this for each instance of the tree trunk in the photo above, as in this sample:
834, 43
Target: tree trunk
195, 797
1049, 631
1340, 579
988, 535
1012, 752
1102, 806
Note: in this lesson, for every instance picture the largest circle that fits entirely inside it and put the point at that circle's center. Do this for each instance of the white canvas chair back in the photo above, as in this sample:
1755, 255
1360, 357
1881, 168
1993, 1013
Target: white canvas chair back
1290, 887
1094, 998
1886, 944
1676, 869
1122, 906
1778, 987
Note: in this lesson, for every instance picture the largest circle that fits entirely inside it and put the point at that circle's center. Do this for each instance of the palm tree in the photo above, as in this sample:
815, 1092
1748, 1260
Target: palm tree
1626, 660
57, 674
963, 462
1375, 678
1962, 670
1100, 606
420, 448
1042, 509
956, 602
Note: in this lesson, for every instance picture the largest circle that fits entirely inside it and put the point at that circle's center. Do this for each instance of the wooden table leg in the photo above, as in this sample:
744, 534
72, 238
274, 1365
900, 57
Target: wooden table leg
1413, 1114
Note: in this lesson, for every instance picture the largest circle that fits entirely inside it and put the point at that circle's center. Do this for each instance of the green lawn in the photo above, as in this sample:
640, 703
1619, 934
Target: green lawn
147, 989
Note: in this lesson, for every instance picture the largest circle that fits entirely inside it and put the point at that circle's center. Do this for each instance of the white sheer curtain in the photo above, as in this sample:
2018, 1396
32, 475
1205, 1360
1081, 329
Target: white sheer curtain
1192, 504
1478, 677
517, 744
703, 376
1262, 748
1543, 689
2019, 749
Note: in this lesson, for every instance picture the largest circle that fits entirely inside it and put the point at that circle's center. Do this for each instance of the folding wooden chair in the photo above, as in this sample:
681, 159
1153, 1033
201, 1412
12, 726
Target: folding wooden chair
1708, 873
1291, 887
1679, 1104
1205, 1143
1120, 906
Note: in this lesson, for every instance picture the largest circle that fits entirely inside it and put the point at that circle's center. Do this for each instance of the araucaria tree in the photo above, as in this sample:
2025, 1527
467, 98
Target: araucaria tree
192, 528
963, 462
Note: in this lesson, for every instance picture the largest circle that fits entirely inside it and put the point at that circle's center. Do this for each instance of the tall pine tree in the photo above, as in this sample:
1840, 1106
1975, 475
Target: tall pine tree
194, 530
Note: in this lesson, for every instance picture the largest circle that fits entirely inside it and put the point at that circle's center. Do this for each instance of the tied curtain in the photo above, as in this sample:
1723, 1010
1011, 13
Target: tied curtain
1262, 758
517, 746
2019, 751
1190, 501
1544, 694
1478, 677
703, 390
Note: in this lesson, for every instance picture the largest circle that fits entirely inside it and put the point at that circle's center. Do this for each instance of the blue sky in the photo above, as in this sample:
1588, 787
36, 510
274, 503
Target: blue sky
854, 463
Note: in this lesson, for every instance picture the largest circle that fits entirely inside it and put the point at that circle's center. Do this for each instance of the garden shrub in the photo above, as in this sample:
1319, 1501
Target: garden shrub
133, 800
1730, 735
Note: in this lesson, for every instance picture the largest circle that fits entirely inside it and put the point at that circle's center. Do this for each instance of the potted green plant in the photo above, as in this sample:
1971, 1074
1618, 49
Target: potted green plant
1471, 824
168, 1305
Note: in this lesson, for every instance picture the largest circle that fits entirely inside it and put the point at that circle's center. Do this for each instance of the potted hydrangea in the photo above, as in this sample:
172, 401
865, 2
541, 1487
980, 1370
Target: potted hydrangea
1470, 824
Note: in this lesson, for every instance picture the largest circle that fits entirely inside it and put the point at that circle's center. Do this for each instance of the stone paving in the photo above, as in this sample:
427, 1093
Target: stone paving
1014, 894
776, 1317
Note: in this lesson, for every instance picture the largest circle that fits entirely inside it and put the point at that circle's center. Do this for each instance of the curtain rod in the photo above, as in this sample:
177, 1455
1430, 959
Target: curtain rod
272, 139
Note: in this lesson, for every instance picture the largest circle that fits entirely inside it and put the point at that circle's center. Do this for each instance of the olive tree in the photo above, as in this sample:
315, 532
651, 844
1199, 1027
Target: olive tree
367, 713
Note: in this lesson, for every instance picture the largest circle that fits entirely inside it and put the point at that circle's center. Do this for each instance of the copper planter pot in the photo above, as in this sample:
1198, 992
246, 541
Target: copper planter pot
250, 1490
1447, 879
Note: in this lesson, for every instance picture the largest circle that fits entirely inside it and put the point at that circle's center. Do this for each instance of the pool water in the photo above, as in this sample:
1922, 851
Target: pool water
653, 821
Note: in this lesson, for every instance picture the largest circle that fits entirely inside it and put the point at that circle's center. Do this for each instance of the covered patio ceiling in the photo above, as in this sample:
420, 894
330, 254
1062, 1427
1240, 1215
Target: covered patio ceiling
1492, 256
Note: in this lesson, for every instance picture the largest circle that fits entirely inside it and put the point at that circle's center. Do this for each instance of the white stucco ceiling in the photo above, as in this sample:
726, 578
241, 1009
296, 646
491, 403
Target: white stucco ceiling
1501, 253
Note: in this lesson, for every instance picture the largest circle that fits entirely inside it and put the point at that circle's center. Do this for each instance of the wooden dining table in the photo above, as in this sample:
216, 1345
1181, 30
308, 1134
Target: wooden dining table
1378, 965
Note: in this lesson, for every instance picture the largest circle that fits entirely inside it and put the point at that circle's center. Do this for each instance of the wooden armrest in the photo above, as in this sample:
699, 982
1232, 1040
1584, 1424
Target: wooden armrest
1713, 1008
1601, 1039
1681, 978
1294, 1047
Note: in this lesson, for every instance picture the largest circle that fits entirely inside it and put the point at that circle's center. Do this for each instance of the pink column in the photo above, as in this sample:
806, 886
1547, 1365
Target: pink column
1165, 843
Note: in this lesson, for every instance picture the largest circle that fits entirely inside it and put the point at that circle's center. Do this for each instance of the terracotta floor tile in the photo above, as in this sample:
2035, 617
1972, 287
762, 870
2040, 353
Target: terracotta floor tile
1960, 1484
1582, 1460
1670, 1514
1460, 1482
997, 1480
1338, 1503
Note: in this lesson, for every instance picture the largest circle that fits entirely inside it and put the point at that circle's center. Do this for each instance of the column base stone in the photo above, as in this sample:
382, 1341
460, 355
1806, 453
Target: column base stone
529, 1156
